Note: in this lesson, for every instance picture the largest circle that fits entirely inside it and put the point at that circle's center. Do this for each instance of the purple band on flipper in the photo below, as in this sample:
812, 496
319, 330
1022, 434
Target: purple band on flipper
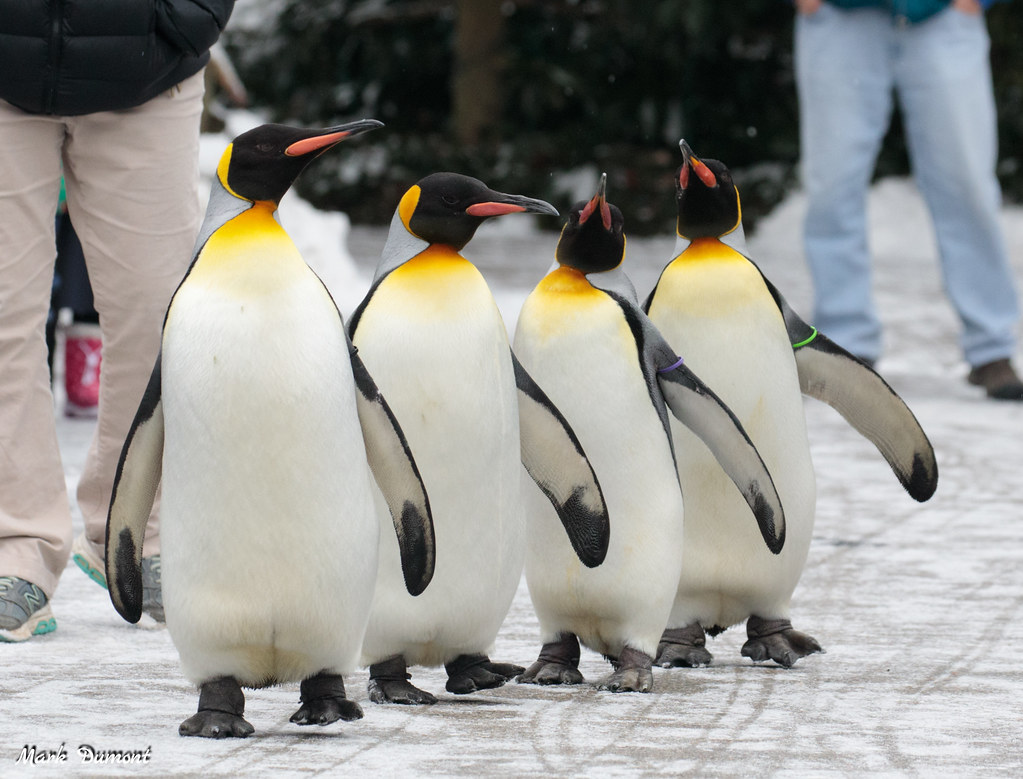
672, 367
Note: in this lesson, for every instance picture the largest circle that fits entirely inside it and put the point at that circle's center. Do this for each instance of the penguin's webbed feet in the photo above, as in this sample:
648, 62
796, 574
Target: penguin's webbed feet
324, 701
683, 647
557, 663
389, 683
469, 673
221, 705
774, 639
508, 670
395, 691
215, 724
633, 673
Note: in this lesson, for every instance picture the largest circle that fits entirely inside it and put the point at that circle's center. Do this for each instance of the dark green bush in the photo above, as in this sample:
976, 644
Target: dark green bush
611, 84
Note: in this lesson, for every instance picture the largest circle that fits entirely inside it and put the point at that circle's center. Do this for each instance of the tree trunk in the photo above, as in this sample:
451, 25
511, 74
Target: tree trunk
476, 88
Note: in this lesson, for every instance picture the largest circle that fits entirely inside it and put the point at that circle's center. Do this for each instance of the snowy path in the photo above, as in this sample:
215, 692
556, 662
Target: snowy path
920, 607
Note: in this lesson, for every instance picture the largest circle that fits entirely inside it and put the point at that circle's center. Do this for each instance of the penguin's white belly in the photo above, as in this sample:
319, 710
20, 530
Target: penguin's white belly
441, 358
583, 354
728, 328
268, 533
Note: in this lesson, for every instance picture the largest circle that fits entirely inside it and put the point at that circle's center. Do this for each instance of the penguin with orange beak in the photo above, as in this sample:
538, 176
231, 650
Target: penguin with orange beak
715, 305
431, 333
266, 431
582, 335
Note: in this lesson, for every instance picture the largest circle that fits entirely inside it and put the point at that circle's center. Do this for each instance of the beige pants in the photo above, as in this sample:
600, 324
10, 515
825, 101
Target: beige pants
131, 179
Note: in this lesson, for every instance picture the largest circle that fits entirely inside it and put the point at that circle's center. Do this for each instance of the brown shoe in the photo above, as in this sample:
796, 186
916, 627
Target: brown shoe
998, 379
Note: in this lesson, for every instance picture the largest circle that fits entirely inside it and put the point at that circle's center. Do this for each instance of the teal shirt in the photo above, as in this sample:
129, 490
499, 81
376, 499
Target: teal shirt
911, 10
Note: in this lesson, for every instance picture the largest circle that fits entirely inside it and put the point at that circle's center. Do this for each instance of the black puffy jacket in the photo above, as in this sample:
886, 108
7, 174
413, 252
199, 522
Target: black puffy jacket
69, 57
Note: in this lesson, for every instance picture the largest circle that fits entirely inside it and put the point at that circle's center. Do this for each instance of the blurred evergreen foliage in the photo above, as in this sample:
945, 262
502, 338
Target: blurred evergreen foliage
599, 84
1005, 21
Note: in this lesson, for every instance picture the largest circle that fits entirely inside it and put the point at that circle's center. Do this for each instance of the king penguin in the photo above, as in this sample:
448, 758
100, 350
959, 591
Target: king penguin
713, 304
264, 425
430, 331
582, 335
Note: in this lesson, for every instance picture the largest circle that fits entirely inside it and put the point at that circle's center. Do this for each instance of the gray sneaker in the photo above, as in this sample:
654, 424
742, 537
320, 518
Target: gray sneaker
24, 611
92, 565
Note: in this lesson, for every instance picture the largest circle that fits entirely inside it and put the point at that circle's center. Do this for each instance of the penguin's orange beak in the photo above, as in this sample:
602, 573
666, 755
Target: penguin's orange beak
598, 203
330, 136
309, 145
493, 209
501, 203
705, 174
694, 163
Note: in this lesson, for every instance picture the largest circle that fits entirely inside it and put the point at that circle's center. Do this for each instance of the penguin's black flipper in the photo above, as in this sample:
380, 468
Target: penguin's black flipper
698, 408
866, 401
555, 460
135, 483
398, 477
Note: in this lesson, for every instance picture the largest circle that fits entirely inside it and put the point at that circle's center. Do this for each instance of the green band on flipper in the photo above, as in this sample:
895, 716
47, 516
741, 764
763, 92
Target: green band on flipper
805, 341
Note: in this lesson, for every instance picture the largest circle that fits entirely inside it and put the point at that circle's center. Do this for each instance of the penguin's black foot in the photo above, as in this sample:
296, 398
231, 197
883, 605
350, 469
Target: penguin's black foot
508, 670
469, 673
557, 663
215, 724
221, 705
324, 701
683, 647
774, 639
633, 673
389, 683
398, 691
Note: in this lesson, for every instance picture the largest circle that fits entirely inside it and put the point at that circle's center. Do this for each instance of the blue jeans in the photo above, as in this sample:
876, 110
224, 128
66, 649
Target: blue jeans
848, 66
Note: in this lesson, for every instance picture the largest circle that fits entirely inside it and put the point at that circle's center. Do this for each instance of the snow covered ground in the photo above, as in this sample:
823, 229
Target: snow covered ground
920, 607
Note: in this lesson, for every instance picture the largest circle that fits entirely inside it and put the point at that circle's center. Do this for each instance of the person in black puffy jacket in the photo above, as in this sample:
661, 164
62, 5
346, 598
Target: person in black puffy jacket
110, 92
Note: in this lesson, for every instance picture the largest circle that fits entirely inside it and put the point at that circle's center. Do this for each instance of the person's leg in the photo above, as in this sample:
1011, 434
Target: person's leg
944, 85
132, 180
35, 522
844, 84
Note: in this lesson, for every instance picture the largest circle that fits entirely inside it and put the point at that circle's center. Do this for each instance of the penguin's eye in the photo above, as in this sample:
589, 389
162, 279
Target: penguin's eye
265, 147
449, 199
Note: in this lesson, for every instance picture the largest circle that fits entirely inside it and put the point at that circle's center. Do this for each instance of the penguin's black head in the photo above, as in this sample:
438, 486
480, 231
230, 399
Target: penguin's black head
264, 162
707, 199
593, 239
446, 208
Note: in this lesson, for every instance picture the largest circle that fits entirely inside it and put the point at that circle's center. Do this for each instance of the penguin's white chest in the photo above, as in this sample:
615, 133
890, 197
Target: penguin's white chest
267, 504
714, 308
576, 343
434, 341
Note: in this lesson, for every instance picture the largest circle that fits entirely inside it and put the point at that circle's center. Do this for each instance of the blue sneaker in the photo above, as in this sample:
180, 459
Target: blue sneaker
93, 567
24, 611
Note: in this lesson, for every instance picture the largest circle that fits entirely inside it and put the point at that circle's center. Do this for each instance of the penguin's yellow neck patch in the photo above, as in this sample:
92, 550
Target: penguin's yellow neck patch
408, 204
565, 303
709, 250
711, 279
564, 280
250, 252
438, 282
435, 261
